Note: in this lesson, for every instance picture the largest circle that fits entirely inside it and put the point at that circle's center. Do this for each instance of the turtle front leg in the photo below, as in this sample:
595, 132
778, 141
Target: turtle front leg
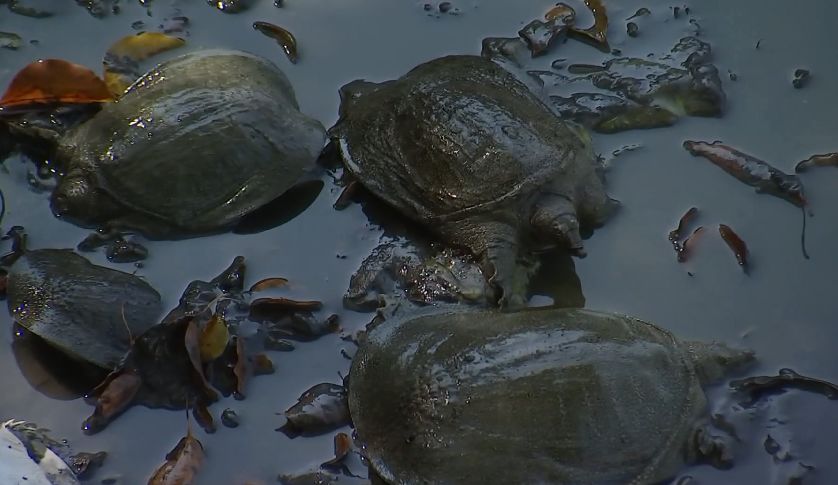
555, 216
496, 246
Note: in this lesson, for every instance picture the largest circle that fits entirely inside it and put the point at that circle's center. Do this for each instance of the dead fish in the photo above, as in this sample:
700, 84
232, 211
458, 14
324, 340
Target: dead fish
736, 244
824, 160
756, 173
283, 37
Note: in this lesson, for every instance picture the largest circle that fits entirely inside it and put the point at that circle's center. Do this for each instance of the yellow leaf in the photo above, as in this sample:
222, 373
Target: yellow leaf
213, 339
122, 58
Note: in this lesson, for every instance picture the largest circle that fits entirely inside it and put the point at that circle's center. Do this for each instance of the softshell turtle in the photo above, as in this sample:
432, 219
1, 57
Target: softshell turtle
87, 311
564, 396
193, 145
460, 145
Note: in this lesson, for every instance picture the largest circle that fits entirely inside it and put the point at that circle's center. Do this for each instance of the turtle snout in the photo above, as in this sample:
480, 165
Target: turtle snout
60, 205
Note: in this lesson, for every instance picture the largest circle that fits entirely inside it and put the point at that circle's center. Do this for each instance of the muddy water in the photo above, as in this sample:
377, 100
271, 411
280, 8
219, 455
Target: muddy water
784, 309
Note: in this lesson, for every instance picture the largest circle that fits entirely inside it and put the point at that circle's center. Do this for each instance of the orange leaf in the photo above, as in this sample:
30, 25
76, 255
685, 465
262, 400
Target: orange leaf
122, 58
55, 81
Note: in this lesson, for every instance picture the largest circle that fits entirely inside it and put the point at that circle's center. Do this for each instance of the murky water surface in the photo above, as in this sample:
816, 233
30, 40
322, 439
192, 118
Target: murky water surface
784, 309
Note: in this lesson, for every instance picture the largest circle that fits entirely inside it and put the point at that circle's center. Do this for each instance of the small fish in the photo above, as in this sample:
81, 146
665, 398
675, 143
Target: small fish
736, 244
283, 37
825, 160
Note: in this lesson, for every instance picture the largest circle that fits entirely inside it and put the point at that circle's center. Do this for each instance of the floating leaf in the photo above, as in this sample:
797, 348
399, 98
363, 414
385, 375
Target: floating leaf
320, 409
182, 463
283, 37
562, 12
736, 244
121, 63
343, 443
48, 81
595, 34
115, 395
213, 339
758, 386
825, 160
268, 283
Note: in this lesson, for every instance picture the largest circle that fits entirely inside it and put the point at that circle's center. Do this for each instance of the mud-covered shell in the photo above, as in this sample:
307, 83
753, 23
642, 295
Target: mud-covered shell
197, 142
453, 136
78, 307
542, 396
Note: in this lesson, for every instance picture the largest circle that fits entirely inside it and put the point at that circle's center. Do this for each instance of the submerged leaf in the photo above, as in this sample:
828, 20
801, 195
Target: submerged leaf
121, 63
320, 409
48, 81
824, 160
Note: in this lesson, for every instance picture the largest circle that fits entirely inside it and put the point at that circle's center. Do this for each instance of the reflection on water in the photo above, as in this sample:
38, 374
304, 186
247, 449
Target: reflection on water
783, 309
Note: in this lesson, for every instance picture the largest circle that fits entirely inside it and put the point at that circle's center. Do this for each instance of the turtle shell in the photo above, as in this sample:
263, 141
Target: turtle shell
453, 135
199, 141
78, 307
540, 396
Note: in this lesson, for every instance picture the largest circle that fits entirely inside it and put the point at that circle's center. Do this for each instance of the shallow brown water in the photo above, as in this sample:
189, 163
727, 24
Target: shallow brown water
784, 309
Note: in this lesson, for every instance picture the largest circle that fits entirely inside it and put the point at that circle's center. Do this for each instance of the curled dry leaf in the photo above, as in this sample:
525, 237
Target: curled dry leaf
49, 81
757, 386
561, 12
283, 38
343, 443
595, 34
321, 408
240, 369
688, 244
115, 395
121, 63
736, 244
750, 170
182, 463
203, 417
268, 283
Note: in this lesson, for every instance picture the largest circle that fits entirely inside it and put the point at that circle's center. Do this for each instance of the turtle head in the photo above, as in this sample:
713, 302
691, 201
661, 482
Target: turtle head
77, 199
714, 360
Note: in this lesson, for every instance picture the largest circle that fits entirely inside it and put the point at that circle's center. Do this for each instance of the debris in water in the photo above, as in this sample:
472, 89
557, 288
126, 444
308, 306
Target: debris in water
281, 36
640, 13
182, 463
736, 244
539, 35
230, 6
632, 29
824, 160
229, 418
750, 170
756, 387
595, 34
121, 62
49, 81
320, 409
268, 283
801, 78
561, 12
343, 443
9, 40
